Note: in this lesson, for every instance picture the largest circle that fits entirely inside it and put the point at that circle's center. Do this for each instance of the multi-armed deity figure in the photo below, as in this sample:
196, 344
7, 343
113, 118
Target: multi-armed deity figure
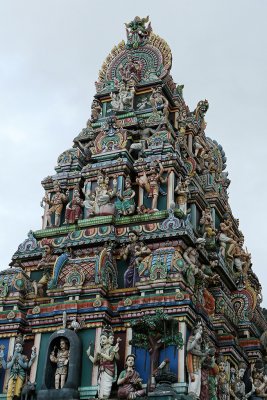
134, 252
105, 357
151, 181
55, 205
61, 358
18, 365
129, 381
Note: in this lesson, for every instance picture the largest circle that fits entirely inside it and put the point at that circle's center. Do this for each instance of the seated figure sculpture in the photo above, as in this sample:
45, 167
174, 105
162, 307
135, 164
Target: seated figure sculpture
129, 381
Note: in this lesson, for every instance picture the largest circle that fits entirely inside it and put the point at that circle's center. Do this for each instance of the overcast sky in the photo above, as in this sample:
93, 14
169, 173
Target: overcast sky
50, 55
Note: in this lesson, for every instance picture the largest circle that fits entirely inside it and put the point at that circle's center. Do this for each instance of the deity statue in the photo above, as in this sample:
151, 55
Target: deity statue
158, 100
206, 221
131, 70
46, 265
74, 208
137, 32
95, 110
61, 358
195, 356
226, 239
129, 381
200, 145
239, 388
123, 101
151, 181
259, 381
209, 372
143, 133
182, 190
135, 251
105, 357
98, 202
223, 380
18, 365
125, 204
55, 205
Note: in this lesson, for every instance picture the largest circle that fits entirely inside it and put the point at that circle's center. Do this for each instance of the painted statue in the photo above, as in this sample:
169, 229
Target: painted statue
74, 208
46, 265
129, 381
182, 190
18, 365
259, 381
134, 253
195, 356
138, 32
132, 69
95, 110
151, 181
61, 358
125, 204
223, 380
55, 205
123, 101
105, 357
158, 100
239, 388
98, 202
226, 239
143, 133
209, 372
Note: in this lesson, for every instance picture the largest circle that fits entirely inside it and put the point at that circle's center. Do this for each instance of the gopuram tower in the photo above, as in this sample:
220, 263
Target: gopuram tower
138, 283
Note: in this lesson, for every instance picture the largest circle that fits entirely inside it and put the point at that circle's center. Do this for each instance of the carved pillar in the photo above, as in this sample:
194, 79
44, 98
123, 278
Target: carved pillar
170, 194
193, 215
37, 341
181, 354
95, 367
128, 346
190, 143
9, 354
141, 197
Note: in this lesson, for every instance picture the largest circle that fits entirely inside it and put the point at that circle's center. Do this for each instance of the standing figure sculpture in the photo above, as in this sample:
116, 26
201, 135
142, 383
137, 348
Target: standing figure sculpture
182, 191
129, 381
125, 204
226, 239
95, 110
151, 183
134, 252
223, 380
46, 265
158, 100
18, 365
195, 356
105, 357
74, 208
55, 205
61, 358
